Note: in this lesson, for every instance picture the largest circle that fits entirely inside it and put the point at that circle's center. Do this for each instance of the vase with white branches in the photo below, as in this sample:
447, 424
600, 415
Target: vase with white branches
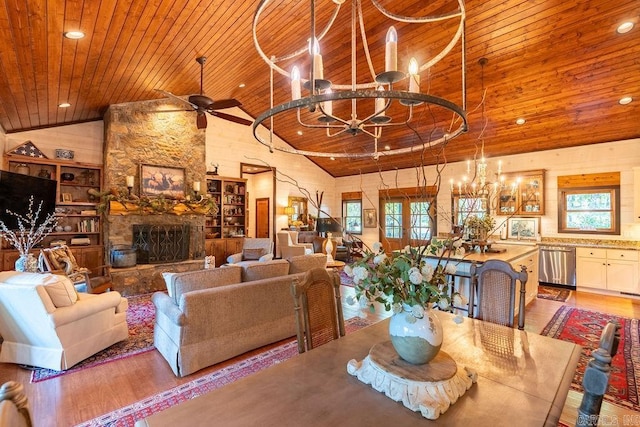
29, 233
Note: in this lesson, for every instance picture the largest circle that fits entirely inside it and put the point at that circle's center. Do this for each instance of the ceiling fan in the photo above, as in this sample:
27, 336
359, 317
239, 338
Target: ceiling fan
202, 104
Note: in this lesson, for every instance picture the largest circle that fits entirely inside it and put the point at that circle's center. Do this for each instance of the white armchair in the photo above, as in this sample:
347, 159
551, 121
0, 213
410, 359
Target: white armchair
253, 249
290, 249
45, 323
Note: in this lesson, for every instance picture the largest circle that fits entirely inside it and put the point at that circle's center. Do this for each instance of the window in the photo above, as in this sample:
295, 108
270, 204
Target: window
589, 211
464, 207
352, 214
420, 221
393, 220
589, 203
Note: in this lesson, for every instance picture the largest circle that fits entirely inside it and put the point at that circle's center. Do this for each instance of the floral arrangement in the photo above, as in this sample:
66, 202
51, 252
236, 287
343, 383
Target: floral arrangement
480, 227
29, 232
405, 280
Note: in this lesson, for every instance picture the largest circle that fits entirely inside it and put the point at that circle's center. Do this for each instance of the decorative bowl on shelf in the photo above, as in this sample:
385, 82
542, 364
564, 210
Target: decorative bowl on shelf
66, 176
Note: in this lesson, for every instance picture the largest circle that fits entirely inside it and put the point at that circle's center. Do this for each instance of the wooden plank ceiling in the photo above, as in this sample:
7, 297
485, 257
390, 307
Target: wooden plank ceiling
559, 64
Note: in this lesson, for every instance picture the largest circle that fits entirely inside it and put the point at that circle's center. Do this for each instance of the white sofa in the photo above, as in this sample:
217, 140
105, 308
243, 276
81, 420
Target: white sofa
44, 322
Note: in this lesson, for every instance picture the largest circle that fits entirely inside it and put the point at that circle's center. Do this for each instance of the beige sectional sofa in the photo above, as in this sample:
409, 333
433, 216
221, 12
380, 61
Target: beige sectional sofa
209, 316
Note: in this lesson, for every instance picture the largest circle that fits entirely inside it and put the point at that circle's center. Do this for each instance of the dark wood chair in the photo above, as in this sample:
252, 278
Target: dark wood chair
60, 260
596, 376
492, 296
319, 317
14, 406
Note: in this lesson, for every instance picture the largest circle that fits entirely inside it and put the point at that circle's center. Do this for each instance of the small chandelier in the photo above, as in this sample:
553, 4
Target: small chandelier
322, 93
475, 185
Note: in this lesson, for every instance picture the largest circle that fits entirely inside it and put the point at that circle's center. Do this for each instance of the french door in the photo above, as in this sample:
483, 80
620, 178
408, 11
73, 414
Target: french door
407, 219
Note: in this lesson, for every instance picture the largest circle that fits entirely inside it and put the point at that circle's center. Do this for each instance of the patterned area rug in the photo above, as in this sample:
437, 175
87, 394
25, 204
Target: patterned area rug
553, 294
128, 415
140, 318
584, 327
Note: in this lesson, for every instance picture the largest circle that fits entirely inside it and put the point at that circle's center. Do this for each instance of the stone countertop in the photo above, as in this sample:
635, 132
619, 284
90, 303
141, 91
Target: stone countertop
633, 245
511, 253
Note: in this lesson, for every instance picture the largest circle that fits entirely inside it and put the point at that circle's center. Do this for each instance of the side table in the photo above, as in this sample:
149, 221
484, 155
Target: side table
337, 265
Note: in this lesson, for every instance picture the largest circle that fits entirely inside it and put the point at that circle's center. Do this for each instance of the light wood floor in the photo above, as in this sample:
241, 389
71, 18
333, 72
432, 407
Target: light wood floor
77, 397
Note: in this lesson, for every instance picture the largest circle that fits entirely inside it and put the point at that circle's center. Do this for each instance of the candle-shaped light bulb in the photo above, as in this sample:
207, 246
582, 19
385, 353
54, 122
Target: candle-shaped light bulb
314, 50
459, 188
451, 184
391, 50
295, 83
414, 77
129, 181
196, 186
380, 102
327, 106
499, 167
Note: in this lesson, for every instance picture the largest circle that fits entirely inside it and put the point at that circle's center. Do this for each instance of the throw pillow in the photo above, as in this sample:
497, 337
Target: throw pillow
267, 257
62, 292
252, 254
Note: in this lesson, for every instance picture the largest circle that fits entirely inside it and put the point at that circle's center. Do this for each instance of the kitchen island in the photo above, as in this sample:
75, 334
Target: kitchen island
515, 254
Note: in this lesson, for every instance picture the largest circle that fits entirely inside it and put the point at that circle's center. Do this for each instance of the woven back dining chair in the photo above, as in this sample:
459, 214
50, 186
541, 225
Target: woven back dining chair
596, 376
318, 309
493, 292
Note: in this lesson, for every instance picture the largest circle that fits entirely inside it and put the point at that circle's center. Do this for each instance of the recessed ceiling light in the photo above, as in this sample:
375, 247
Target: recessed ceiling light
387, 147
241, 85
64, 105
625, 100
332, 158
520, 121
299, 132
74, 35
625, 27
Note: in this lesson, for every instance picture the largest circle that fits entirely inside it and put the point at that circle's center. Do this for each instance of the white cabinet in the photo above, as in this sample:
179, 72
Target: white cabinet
610, 269
529, 260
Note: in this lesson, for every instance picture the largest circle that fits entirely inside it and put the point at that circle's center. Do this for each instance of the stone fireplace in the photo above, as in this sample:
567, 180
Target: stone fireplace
140, 133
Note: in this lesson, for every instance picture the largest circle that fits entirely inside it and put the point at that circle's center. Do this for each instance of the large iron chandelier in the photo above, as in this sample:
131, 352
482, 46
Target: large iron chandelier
321, 92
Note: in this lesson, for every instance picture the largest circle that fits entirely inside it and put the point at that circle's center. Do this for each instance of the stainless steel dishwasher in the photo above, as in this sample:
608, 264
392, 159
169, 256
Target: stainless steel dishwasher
558, 266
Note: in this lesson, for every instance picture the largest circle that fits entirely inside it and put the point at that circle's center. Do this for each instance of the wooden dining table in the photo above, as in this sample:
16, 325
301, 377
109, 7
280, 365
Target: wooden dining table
522, 379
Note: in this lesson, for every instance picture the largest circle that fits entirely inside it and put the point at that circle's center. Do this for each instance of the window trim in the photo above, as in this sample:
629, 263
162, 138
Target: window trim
614, 190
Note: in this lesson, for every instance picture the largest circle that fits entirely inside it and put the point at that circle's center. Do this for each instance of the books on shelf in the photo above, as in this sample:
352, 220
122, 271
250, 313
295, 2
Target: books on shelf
88, 226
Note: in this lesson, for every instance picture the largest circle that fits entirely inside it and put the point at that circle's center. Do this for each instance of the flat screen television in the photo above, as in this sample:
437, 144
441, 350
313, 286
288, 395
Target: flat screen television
15, 190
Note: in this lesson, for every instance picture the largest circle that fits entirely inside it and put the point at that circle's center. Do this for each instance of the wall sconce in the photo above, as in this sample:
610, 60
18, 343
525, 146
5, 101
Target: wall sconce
288, 210
130, 179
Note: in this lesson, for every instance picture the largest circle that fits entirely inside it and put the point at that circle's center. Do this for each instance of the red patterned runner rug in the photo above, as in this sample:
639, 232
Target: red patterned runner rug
584, 327
140, 317
127, 416
553, 293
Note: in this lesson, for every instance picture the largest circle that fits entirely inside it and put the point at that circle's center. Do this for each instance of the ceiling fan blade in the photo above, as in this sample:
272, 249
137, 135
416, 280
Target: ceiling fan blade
224, 103
201, 121
177, 98
231, 118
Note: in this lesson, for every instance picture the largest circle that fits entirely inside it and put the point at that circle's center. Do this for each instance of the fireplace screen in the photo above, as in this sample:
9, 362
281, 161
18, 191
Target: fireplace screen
161, 243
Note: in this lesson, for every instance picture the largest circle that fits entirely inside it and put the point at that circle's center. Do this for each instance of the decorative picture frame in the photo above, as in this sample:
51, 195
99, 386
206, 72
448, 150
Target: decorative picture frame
370, 219
164, 181
66, 197
523, 228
